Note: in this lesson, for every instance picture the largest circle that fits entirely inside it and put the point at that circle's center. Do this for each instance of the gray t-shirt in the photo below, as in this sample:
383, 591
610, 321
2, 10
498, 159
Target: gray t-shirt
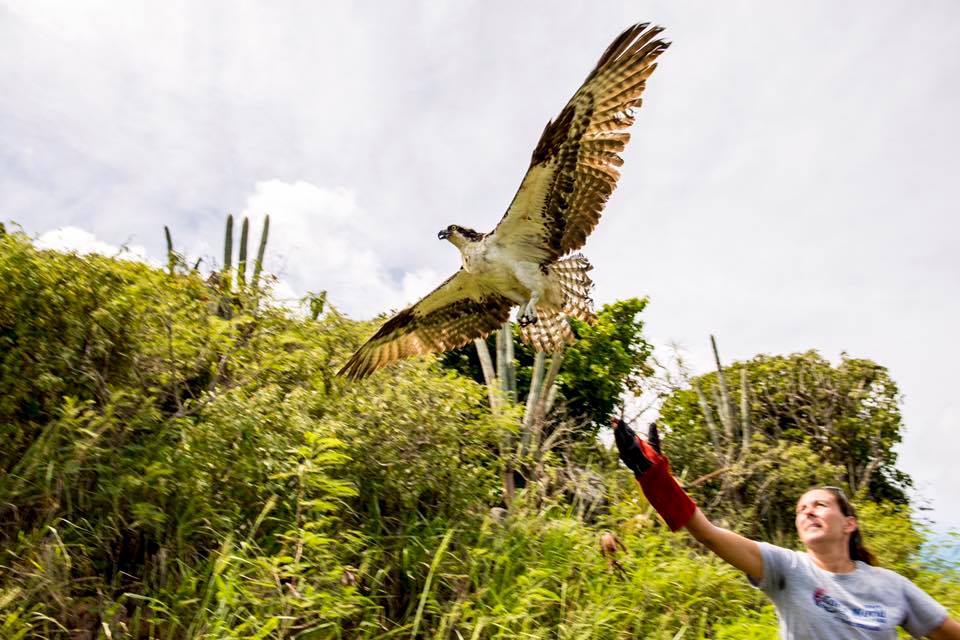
869, 602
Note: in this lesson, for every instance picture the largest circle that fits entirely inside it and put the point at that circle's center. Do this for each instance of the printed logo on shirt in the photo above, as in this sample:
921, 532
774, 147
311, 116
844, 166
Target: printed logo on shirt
872, 617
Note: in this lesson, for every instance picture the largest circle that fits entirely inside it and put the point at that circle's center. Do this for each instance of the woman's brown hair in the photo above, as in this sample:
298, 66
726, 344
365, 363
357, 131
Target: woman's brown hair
858, 551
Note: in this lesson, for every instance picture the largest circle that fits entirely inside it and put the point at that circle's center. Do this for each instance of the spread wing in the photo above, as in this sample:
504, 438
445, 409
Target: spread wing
454, 313
573, 168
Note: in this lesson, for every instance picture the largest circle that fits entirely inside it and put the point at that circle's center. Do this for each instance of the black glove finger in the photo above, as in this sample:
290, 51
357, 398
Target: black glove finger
625, 437
621, 428
630, 451
653, 437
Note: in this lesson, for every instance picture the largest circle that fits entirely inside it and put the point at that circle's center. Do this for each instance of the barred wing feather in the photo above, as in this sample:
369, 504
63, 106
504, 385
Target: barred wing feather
453, 314
573, 168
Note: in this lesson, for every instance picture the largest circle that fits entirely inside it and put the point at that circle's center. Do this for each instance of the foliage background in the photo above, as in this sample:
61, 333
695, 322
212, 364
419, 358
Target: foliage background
172, 471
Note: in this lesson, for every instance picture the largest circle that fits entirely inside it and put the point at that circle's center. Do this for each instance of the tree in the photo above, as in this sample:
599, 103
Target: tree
799, 421
608, 358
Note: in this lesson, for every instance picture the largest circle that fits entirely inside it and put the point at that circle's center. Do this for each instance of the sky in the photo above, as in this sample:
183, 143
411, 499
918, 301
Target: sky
791, 183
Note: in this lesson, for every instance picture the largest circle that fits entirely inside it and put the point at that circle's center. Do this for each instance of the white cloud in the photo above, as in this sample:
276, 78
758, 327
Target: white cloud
321, 239
76, 240
420, 283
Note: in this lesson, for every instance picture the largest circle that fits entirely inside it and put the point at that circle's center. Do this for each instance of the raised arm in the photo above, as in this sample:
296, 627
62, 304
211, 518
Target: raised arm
652, 470
743, 553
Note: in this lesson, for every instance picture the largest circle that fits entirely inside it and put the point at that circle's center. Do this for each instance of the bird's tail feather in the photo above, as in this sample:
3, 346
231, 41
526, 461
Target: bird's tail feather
552, 330
571, 274
550, 333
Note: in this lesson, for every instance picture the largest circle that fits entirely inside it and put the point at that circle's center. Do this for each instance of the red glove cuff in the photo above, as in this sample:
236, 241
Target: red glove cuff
666, 496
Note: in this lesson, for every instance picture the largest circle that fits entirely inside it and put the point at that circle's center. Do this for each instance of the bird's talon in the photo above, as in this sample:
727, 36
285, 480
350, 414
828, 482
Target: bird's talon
525, 320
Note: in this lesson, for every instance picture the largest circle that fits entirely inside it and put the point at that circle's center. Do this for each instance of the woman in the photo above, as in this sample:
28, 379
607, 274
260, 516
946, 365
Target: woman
832, 591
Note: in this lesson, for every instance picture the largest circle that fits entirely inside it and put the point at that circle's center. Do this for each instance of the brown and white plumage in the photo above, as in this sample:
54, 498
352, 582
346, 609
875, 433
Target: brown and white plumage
573, 169
446, 318
572, 173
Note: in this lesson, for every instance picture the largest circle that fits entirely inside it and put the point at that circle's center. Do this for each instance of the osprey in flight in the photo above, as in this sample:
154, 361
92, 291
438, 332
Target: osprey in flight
522, 262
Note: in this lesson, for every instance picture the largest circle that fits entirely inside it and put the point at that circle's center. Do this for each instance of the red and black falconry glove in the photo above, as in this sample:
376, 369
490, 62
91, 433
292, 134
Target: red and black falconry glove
652, 470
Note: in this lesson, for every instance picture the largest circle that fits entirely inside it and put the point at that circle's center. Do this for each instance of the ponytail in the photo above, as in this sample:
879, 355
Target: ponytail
858, 551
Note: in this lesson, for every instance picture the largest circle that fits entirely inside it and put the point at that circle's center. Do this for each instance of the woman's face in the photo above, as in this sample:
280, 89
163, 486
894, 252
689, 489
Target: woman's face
820, 520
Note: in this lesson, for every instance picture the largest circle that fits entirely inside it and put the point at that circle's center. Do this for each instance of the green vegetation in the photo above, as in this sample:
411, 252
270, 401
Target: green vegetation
799, 422
608, 358
171, 470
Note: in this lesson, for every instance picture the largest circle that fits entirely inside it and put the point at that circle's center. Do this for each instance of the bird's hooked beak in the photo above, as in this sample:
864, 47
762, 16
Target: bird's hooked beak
444, 234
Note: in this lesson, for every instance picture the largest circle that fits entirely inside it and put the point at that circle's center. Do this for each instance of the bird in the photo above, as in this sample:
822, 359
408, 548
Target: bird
528, 259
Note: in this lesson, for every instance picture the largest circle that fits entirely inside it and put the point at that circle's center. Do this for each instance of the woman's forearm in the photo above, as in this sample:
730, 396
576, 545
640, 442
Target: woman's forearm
742, 553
